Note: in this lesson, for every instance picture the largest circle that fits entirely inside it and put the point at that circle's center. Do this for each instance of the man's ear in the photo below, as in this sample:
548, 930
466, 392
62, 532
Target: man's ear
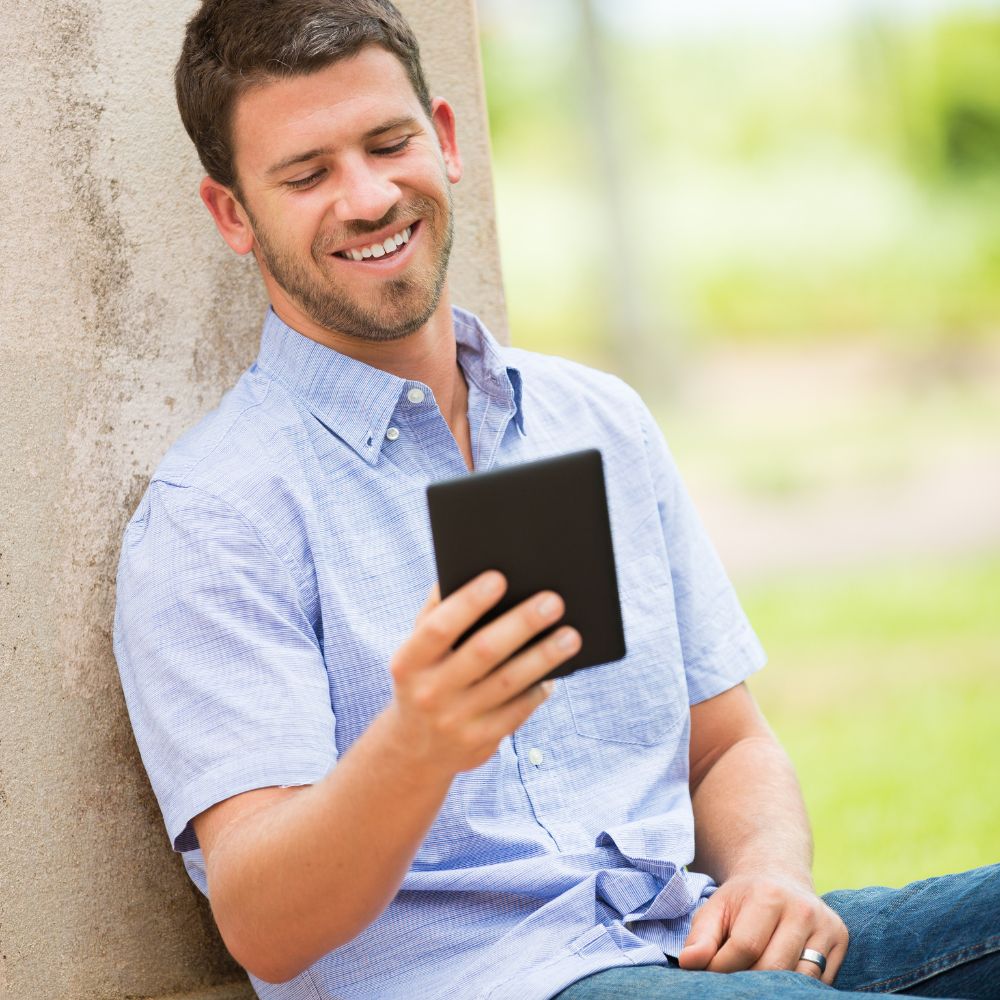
230, 217
443, 117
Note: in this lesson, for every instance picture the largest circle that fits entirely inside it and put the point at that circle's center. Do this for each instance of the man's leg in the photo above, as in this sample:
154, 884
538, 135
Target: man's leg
936, 938
939, 937
658, 982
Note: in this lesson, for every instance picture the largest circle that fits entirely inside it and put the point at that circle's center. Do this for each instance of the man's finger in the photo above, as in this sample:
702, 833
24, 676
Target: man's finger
785, 947
749, 936
707, 934
433, 600
521, 672
830, 950
438, 629
504, 720
493, 644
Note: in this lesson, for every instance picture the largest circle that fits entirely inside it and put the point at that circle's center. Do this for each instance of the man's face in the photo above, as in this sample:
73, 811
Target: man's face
334, 168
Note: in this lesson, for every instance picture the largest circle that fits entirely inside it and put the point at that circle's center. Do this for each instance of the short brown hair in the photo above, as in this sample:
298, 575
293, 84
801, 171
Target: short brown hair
233, 45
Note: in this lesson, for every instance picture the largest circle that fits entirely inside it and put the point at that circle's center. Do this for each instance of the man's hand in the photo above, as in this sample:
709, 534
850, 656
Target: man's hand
451, 707
297, 872
761, 923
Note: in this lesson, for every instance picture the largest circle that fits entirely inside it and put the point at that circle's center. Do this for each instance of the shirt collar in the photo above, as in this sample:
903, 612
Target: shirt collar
482, 360
356, 401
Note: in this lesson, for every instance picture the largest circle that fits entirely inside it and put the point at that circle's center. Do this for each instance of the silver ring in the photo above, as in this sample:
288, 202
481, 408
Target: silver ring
816, 957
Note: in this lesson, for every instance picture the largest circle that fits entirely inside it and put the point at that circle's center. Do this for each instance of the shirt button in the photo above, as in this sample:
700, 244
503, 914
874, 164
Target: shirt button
392, 433
415, 396
535, 756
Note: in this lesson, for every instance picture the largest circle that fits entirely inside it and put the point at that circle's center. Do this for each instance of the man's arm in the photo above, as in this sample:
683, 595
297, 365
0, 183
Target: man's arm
294, 873
752, 836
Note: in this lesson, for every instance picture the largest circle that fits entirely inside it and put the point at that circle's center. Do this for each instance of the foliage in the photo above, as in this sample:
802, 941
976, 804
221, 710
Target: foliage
940, 90
839, 186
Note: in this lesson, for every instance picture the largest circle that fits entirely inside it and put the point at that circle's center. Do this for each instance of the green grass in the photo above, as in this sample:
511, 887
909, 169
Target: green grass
884, 686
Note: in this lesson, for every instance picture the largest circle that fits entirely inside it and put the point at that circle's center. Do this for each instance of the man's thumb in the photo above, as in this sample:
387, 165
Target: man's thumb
702, 943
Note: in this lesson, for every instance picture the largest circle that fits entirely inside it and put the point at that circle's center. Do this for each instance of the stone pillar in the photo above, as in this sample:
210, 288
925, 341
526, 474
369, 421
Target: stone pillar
123, 318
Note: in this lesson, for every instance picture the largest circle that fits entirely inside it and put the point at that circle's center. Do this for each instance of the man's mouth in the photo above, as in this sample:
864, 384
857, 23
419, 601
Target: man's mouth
386, 248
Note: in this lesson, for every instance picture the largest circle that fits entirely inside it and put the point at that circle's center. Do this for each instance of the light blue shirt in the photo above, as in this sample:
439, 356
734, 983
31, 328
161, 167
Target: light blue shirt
277, 561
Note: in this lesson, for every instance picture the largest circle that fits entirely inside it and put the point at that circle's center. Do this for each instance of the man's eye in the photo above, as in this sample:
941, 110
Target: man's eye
304, 182
389, 150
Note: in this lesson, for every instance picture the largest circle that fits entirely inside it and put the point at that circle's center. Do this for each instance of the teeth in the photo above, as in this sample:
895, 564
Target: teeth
390, 245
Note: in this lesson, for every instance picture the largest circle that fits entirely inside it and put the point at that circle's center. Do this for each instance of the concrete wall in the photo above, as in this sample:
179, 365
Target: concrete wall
123, 317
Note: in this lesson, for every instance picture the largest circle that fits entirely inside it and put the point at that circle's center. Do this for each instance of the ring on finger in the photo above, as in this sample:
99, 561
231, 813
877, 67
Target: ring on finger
816, 957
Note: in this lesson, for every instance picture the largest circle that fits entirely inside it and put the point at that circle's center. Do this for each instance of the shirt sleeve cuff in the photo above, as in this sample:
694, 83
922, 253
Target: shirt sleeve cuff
726, 665
252, 770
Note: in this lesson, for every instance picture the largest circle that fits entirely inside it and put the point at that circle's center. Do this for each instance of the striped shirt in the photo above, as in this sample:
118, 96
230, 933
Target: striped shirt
277, 561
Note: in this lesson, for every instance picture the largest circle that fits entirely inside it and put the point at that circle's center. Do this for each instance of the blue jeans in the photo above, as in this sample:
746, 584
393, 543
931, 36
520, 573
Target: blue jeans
936, 938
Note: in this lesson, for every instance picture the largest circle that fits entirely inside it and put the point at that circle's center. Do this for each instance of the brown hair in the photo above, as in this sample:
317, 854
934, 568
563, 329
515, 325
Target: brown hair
233, 45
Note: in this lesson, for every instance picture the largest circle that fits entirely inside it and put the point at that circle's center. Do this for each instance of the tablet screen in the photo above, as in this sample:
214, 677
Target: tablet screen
545, 526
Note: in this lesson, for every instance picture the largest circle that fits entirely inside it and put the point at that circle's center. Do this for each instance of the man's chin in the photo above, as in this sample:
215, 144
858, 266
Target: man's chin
374, 326
395, 311
390, 319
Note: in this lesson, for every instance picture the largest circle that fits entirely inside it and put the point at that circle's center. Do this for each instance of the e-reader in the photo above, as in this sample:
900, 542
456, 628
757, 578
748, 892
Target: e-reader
544, 525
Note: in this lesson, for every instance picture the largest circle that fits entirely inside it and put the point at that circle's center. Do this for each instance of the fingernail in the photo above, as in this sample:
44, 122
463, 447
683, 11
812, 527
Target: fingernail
547, 606
567, 638
548, 687
489, 583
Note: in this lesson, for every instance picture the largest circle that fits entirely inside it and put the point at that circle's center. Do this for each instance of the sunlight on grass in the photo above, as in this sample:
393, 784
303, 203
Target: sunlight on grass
884, 686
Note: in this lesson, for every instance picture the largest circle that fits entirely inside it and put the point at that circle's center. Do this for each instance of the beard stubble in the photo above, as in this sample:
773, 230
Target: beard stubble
404, 304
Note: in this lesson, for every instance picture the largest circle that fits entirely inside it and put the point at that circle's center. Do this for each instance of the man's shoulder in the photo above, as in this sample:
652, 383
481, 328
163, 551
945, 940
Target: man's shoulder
570, 386
545, 371
241, 455
244, 431
233, 487
551, 368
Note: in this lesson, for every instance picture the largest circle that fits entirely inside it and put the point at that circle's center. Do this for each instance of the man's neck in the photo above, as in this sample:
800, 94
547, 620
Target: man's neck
429, 355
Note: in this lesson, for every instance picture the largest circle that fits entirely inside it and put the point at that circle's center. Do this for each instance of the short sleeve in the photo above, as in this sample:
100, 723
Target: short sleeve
719, 647
221, 667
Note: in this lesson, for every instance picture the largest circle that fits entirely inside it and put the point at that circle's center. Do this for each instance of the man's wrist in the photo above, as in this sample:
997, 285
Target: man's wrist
390, 739
795, 875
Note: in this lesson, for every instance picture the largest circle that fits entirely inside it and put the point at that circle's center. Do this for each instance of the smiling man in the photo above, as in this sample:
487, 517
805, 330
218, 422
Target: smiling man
372, 264
373, 812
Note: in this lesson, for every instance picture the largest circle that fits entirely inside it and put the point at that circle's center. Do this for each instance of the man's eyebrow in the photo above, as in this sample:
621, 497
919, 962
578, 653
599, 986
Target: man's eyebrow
404, 121
290, 161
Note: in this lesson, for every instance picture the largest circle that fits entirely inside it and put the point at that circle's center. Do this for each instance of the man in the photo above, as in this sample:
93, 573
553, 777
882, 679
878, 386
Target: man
372, 812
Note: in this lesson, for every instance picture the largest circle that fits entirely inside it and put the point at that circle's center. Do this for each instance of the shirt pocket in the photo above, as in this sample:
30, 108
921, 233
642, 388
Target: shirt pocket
641, 699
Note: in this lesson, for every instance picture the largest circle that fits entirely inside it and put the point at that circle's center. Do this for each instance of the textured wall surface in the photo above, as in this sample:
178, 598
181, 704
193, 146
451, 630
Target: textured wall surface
123, 318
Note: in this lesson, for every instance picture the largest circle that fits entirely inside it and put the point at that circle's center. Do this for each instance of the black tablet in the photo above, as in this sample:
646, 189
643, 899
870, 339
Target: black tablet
545, 526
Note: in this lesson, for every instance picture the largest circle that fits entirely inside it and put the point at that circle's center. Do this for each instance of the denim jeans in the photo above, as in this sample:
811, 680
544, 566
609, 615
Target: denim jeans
936, 938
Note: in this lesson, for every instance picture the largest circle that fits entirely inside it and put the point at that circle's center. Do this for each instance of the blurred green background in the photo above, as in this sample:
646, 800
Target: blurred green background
781, 222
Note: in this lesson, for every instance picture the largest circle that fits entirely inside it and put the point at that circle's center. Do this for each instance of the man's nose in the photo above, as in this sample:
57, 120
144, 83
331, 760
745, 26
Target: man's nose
364, 193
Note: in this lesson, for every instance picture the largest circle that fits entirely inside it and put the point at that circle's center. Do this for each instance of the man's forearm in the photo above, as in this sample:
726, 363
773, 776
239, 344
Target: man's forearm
752, 836
749, 817
307, 871
316, 868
